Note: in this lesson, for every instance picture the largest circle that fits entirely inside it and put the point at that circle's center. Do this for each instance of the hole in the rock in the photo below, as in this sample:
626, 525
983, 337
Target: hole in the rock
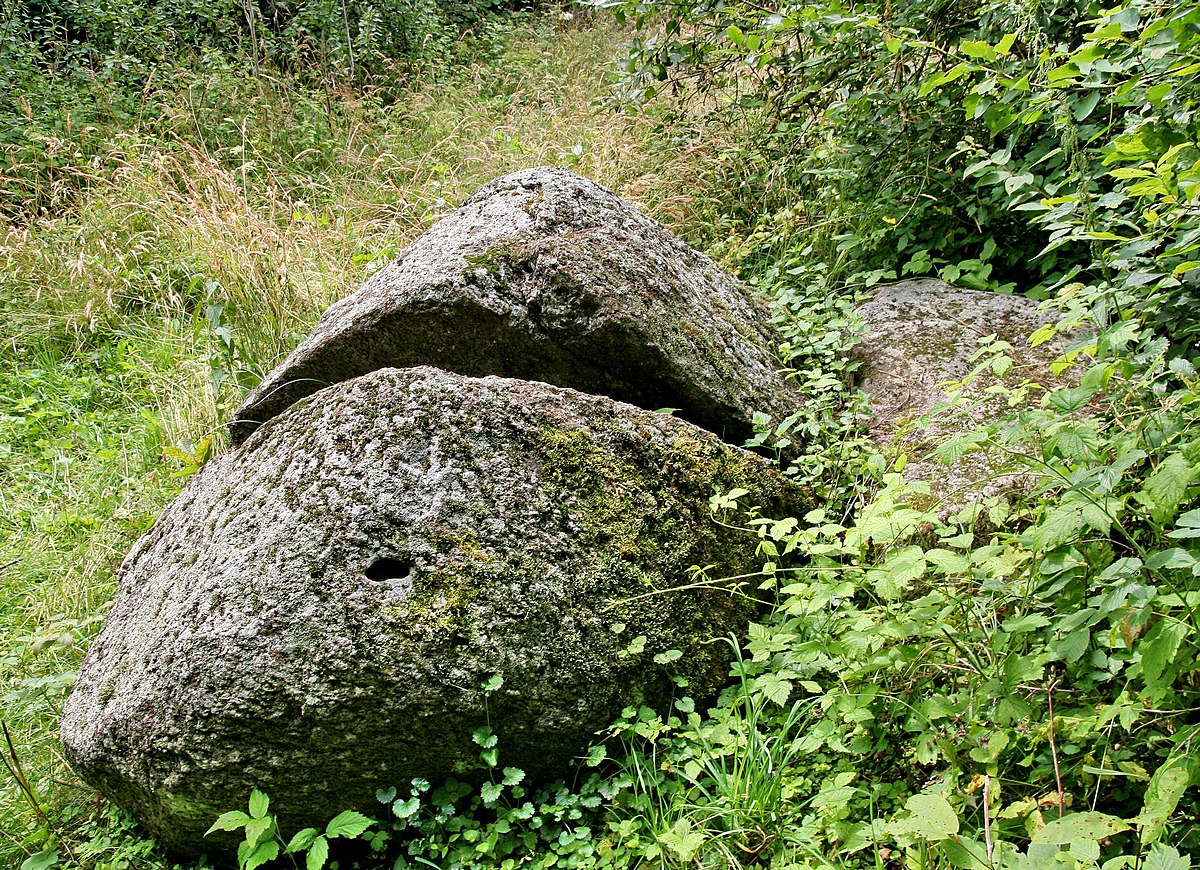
389, 568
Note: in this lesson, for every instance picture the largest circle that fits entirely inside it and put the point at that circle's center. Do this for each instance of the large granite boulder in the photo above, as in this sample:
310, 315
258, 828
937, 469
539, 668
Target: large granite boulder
543, 275
920, 338
316, 613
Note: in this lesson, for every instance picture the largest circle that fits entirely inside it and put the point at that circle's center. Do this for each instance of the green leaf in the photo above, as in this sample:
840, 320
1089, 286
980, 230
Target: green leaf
347, 823
513, 776
975, 48
1084, 106
259, 804
1188, 525
1163, 794
898, 570
404, 809
484, 737
318, 854
1158, 649
42, 860
229, 821
965, 854
774, 688
302, 840
930, 817
1167, 487
681, 840
1175, 557
1163, 857
1072, 647
259, 855
1079, 826
1058, 526
937, 81
491, 791
260, 829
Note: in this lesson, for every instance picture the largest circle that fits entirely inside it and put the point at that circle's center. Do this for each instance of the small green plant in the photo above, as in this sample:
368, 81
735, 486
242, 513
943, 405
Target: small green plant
264, 843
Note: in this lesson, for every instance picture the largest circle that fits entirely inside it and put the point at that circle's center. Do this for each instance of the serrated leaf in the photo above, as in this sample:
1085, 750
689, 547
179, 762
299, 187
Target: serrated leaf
490, 792
930, 817
386, 796
1079, 826
302, 840
229, 821
484, 737
1158, 649
259, 804
1071, 647
347, 823
1163, 857
318, 854
774, 688
897, 571
1188, 525
1163, 793
1057, 527
682, 840
1175, 557
261, 854
403, 809
258, 830
1167, 487
513, 776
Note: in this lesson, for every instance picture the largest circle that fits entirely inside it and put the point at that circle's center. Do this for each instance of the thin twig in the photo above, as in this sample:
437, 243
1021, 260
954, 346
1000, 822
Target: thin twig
987, 816
1054, 750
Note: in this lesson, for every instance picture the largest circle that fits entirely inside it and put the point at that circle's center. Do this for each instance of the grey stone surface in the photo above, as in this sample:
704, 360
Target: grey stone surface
543, 275
921, 336
316, 612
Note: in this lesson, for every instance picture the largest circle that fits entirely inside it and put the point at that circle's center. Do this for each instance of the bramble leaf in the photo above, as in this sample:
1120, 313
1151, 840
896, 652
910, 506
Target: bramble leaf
347, 823
229, 821
1079, 826
318, 854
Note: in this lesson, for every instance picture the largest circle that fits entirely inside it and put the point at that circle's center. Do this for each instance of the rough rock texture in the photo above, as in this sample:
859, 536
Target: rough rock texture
543, 275
920, 336
316, 613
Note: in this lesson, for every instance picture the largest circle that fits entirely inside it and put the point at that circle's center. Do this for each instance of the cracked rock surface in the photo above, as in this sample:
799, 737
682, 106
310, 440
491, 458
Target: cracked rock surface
545, 276
317, 611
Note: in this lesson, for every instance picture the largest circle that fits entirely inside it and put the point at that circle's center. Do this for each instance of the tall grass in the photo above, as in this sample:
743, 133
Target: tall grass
183, 259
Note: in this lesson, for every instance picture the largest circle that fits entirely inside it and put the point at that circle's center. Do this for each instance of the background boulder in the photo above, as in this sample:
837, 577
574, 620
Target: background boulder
543, 275
316, 613
921, 336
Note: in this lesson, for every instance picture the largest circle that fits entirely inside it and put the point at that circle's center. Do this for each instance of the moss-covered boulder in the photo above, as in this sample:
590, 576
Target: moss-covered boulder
317, 613
543, 275
922, 339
